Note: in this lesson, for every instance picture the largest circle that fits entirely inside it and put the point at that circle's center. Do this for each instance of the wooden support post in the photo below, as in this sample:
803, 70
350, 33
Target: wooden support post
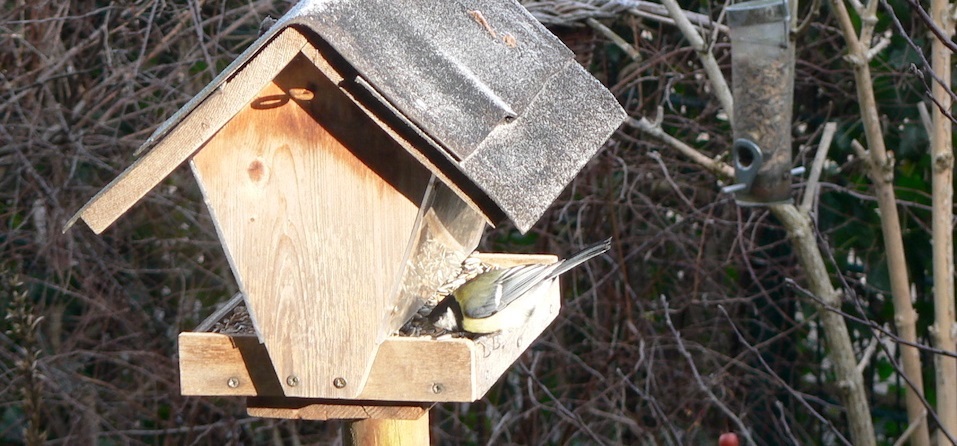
387, 432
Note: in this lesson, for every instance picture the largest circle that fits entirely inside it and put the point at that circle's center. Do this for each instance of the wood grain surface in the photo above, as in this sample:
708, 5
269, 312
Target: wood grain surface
315, 206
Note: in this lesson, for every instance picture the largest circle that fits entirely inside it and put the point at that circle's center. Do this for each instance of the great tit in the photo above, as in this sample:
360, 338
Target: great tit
500, 298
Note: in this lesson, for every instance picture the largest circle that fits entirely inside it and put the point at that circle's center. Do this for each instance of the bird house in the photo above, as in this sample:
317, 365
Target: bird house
350, 160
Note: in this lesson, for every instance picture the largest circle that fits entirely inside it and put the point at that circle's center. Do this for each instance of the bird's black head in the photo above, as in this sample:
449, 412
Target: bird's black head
447, 315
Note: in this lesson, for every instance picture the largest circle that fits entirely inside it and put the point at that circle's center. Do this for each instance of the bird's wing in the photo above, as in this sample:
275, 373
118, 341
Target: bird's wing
510, 285
514, 282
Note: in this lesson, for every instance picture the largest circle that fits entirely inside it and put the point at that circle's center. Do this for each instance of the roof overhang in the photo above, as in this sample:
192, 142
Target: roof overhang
496, 99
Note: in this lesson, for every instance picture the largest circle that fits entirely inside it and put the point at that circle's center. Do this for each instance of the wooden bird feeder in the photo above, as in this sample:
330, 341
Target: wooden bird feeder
350, 160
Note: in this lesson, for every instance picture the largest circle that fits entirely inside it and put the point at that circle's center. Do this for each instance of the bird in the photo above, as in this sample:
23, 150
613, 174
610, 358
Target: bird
499, 299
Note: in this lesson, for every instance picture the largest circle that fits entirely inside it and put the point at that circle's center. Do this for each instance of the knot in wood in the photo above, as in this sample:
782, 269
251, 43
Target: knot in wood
845, 386
887, 167
256, 171
943, 161
854, 60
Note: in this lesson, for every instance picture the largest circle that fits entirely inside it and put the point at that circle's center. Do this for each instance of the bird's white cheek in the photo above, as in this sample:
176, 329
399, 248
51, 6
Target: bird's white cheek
447, 322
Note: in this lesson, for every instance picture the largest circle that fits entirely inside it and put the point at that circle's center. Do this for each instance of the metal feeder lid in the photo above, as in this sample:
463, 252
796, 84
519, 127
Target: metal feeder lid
757, 12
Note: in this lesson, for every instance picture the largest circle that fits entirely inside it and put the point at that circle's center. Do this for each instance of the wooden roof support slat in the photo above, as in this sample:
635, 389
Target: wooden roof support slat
188, 137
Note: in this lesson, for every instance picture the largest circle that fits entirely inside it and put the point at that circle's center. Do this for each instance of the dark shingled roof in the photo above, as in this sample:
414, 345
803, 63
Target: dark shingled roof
485, 84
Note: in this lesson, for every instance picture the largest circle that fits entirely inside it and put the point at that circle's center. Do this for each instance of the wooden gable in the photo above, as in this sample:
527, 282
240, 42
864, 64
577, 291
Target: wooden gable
314, 205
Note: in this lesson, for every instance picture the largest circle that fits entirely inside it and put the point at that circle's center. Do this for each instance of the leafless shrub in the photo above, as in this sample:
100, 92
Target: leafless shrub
85, 82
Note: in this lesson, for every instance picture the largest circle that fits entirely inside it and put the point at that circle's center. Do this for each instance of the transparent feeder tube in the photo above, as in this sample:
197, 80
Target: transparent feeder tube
762, 70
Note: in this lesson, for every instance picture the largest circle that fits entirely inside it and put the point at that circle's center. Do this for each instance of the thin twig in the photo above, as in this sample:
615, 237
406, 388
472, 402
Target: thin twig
620, 42
564, 411
717, 167
925, 117
784, 422
919, 52
808, 19
797, 395
674, 186
911, 428
941, 35
710, 64
813, 185
867, 355
656, 409
871, 324
742, 429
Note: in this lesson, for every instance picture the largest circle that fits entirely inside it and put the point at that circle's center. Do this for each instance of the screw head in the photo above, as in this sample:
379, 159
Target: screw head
232, 382
339, 382
292, 380
438, 388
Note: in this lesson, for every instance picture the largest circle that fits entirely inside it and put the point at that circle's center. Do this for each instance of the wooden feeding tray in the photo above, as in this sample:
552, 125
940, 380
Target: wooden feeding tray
405, 369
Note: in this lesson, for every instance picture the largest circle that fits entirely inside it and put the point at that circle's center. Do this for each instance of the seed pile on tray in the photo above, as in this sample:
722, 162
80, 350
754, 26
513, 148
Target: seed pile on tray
239, 322
236, 322
419, 325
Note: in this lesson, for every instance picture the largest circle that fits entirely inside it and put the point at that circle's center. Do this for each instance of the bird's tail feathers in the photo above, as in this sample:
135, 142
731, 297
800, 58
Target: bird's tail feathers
583, 256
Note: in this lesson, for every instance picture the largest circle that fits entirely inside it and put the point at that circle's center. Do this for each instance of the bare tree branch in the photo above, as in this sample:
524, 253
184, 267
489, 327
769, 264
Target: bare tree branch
718, 82
742, 429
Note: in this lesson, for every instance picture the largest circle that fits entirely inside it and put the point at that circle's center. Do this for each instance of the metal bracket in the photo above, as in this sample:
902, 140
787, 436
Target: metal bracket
748, 160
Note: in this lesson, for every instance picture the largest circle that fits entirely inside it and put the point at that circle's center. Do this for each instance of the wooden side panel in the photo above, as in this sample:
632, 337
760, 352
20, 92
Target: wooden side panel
315, 207
405, 369
503, 260
217, 364
306, 409
422, 369
186, 138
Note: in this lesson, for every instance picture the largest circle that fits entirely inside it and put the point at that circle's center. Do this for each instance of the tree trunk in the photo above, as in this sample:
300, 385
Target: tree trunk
840, 349
942, 227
